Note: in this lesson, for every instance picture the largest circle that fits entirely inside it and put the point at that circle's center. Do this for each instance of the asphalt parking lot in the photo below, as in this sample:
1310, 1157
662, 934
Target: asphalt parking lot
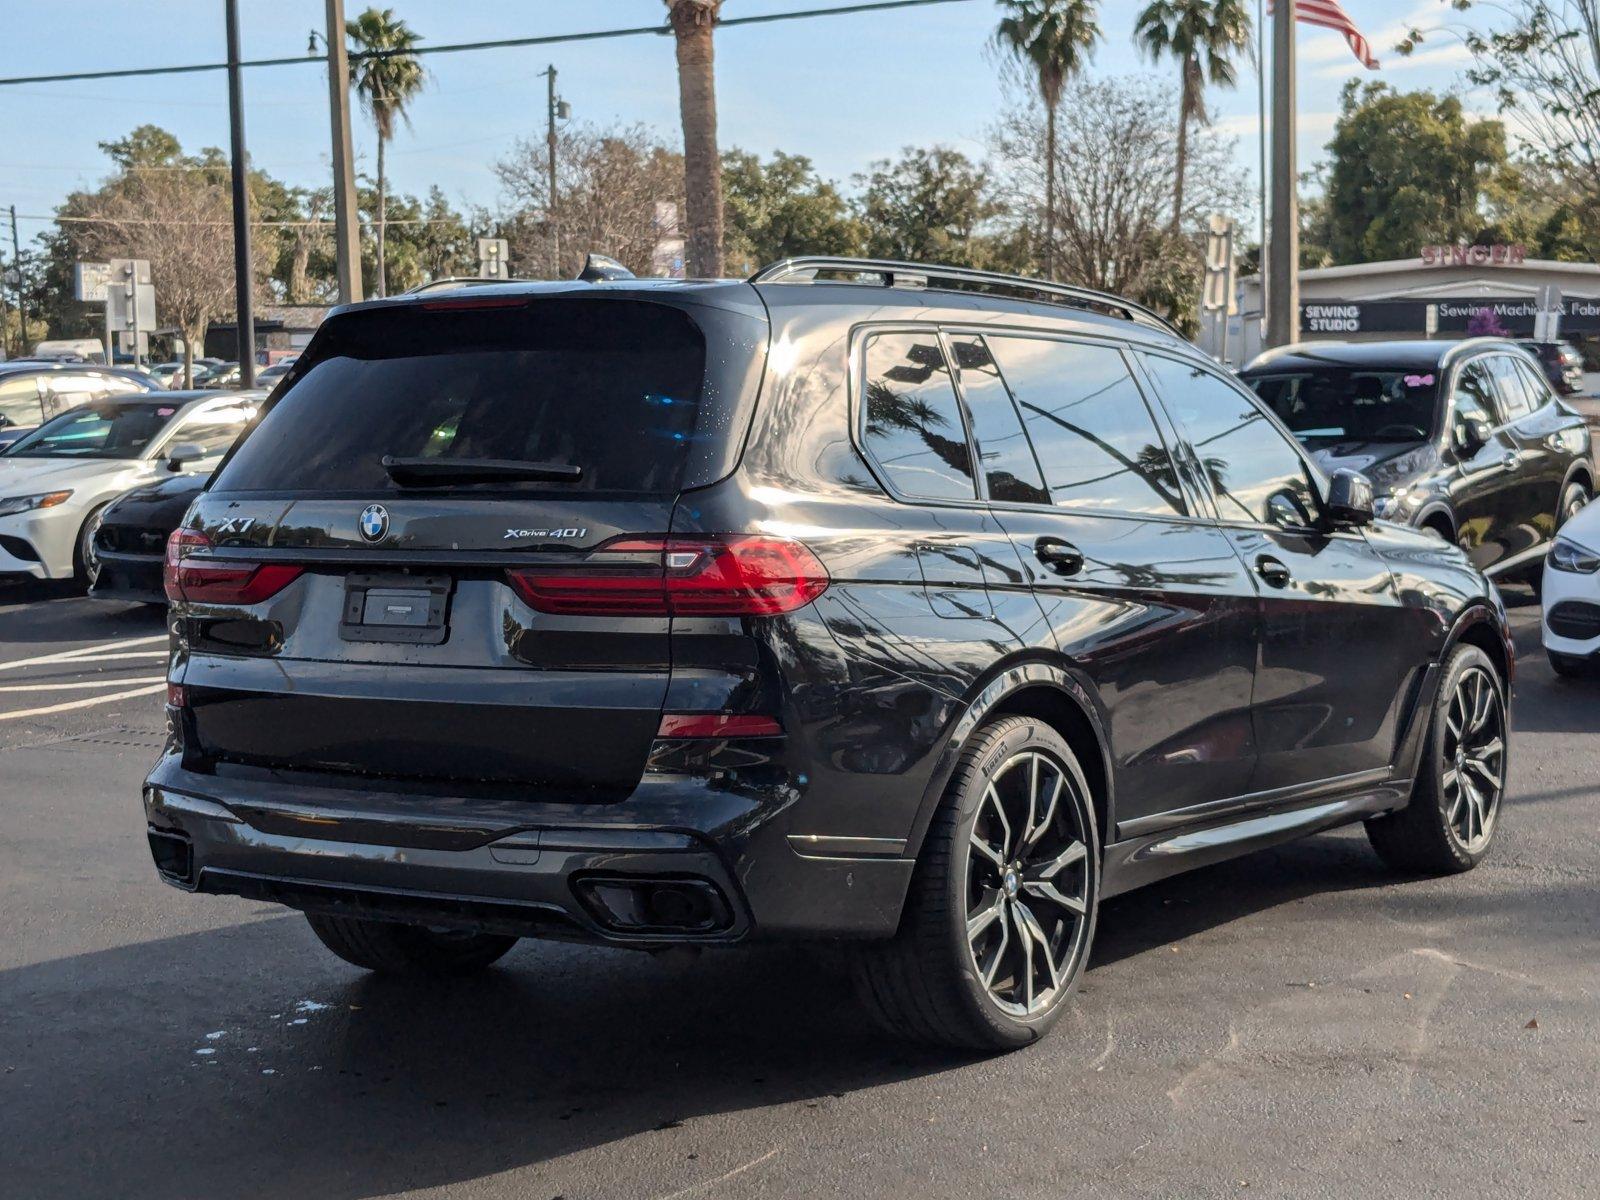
1299, 1023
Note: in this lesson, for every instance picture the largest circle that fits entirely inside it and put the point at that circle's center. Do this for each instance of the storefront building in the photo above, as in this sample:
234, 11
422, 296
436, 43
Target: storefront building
1443, 292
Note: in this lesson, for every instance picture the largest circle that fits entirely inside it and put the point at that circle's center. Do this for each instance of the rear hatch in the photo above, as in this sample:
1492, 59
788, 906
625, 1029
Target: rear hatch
372, 585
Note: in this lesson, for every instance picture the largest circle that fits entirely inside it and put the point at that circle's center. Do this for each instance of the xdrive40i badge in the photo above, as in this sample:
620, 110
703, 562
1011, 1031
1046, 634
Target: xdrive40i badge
546, 534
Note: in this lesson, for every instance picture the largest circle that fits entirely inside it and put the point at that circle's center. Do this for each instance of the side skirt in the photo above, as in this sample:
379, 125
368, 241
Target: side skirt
1136, 861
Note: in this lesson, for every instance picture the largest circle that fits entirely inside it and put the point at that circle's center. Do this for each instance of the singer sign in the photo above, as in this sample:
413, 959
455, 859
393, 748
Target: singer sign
1496, 255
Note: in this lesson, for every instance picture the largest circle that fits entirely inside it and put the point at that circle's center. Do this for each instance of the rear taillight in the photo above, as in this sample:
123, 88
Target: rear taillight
189, 575
717, 725
729, 575
176, 696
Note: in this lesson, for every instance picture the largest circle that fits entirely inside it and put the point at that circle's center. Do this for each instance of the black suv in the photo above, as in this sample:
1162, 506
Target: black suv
1463, 439
904, 605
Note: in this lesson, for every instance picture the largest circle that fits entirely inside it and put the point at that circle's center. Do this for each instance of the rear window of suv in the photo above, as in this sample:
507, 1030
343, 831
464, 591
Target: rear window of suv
611, 386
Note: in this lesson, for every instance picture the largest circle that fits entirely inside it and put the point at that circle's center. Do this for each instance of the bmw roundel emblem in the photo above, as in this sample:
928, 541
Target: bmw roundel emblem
374, 523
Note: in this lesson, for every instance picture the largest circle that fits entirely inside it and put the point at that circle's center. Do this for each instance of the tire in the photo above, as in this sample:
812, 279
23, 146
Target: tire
1573, 500
929, 983
394, 949
85, 563
1570, 666
1434, 833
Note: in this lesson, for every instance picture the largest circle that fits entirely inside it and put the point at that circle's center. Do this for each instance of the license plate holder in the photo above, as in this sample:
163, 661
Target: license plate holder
411, 609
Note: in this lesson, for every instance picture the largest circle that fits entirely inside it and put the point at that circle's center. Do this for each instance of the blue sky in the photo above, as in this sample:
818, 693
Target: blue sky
843, 90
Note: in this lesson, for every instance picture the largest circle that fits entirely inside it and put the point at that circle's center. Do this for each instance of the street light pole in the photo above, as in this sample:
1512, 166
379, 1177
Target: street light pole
552, 105
1283, 279
346, 215
243, 270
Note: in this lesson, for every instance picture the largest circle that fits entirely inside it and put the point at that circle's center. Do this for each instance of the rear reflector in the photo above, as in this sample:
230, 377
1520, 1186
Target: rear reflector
728, 575
188, 575
717, 725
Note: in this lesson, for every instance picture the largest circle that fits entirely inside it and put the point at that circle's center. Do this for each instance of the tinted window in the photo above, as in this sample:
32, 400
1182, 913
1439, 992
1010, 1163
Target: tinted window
100, 429
913, 427
1254, 471
1009, 468
613, 387
1094, 436
1332, 405
1539, 391
1474, 394
213, 431
1511, 387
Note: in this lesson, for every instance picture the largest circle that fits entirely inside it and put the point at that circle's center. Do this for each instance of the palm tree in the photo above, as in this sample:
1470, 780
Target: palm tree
385, 87
1203, 35
1054, 39
692, 25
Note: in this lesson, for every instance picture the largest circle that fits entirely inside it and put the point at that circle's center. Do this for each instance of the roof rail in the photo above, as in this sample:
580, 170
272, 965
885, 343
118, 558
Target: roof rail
806, 268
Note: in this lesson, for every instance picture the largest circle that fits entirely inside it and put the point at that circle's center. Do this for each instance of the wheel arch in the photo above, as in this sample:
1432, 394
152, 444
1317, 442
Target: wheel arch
1481, 626
1579, 472
1049, 692
1438, 513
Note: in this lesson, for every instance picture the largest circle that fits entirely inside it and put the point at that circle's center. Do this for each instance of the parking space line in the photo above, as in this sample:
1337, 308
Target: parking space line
91, 653
90, 702
68, 687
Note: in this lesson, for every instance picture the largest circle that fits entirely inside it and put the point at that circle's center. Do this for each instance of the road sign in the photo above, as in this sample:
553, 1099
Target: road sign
1547, 325
90, 281
131, 298
494, 258
137, 344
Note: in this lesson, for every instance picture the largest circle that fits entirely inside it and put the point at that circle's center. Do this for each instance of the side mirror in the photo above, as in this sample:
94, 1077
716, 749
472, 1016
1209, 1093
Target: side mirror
183, 454
1472, 434
1350, 499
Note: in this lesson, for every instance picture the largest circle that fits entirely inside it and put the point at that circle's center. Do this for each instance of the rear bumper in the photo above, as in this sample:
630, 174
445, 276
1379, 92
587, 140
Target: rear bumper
522, 867
129, 577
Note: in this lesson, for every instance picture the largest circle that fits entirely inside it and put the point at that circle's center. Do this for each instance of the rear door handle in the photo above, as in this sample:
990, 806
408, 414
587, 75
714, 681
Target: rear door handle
1061, 557
1273, 573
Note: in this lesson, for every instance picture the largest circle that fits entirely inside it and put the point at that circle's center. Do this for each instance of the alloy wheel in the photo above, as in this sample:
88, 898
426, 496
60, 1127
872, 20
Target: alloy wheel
1029, 877
1577, 498
1474, 759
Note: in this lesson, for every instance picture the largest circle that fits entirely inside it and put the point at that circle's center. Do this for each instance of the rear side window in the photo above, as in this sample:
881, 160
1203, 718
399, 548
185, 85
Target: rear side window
911, 423
1095, 438
1254, 471
613, 387
1010, 471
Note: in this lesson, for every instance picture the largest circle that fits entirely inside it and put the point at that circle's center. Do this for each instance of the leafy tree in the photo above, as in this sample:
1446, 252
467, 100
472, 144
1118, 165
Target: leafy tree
1054, 38
781, 208
386, 87
608, 182
1114, 229
1203, 36
175, 210
1541, 60
1406, 169
692, 24
930, 206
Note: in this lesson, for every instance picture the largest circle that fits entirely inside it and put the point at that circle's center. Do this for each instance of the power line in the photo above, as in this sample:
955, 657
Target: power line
503, 43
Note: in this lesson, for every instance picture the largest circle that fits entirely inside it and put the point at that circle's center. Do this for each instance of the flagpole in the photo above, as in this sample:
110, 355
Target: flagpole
1283, 317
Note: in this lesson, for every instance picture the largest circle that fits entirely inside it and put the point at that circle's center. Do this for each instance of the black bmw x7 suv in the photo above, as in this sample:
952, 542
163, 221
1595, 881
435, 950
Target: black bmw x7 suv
902, 605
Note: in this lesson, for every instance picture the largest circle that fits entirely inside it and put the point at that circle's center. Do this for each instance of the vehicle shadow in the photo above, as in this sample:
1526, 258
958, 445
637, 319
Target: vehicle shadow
325, 1082
58, 611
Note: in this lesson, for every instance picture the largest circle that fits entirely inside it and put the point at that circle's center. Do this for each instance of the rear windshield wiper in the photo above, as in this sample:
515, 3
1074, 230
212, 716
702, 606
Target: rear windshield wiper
439, 472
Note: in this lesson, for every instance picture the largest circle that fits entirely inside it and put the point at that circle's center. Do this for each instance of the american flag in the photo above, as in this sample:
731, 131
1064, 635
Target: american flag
1329, 15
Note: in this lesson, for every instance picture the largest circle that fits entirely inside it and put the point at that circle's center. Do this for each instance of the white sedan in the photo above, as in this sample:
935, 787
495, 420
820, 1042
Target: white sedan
55, 480
1571, 595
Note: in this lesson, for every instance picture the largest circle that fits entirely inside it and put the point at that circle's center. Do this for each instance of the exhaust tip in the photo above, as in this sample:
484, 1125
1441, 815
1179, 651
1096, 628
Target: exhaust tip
636, 906
174, 855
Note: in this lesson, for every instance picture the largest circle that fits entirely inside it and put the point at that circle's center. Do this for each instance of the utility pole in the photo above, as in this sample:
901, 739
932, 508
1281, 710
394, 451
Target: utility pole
1283, 279
346, 216
22, 299
555, 108
243, 271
